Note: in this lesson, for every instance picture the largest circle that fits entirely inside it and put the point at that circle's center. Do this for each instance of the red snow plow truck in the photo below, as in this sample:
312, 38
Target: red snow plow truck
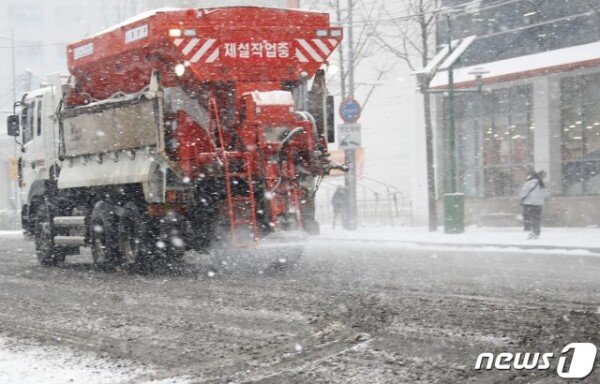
180, 130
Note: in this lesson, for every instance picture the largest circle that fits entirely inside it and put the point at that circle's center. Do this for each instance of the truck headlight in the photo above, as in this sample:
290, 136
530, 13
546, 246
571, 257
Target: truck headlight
174, 32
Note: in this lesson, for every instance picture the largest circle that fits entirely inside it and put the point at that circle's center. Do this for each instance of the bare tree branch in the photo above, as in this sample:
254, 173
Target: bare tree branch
364, 45
380, 75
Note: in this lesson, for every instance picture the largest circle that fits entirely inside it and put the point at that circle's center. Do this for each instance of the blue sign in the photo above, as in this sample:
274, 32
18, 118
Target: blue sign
350, 111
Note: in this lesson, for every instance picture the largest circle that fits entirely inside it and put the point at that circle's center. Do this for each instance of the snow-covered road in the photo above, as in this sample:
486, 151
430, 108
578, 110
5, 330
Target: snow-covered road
348, 313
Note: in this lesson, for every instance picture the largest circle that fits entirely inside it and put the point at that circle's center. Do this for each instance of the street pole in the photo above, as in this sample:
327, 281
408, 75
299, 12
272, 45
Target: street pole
15, 183
13, 63
451, 115
338, 11
351, 47
454, 202
350, 154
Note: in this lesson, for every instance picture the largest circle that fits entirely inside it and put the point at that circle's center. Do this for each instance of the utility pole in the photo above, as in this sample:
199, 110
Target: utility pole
15, 183
454, 202
350, 154
351, 48
451, 114
13, 64
338, 10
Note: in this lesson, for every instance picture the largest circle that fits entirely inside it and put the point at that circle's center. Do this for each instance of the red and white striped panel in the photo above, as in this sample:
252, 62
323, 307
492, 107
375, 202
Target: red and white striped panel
318, 50
196, 49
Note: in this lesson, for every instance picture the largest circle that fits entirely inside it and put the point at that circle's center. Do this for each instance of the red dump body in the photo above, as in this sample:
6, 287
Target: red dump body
225, 45
234, 93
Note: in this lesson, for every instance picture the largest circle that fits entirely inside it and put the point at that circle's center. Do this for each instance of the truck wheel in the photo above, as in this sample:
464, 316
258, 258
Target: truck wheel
175, 254
103, 235
172, 237
136, 244
47, 253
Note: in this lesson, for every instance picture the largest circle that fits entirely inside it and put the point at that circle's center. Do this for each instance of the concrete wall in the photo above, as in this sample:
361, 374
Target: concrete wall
393, 133
559, 211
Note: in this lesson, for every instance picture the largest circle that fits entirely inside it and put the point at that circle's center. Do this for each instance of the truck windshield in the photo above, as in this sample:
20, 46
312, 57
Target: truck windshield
27, 123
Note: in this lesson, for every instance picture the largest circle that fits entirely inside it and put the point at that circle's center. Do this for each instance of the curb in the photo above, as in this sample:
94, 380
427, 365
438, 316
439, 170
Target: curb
472, 245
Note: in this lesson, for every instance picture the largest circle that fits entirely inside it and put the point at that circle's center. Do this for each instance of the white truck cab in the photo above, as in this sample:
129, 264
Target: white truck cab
36, 128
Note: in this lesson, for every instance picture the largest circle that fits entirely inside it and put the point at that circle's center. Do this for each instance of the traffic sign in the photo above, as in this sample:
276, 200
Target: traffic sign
349, 136
350, 111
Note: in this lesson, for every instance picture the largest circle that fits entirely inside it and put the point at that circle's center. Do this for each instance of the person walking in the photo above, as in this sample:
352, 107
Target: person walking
339, 201
533, 195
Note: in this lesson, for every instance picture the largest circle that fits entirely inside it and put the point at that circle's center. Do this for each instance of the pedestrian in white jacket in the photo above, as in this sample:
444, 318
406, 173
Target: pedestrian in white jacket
533, 195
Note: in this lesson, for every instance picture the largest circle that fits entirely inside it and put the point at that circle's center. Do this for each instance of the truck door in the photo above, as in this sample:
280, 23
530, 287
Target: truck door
32, 157
27, 134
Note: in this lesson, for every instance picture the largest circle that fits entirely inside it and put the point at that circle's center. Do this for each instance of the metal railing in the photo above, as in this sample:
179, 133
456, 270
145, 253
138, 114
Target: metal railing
382, 205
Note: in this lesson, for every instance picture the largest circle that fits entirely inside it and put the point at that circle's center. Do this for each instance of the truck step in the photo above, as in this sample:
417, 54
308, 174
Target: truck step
69, 221
69, 241
241, 198
243, 175
236, 154
243, 222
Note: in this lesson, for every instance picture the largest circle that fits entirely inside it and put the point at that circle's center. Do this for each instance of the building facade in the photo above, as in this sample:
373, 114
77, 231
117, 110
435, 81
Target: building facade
539, 109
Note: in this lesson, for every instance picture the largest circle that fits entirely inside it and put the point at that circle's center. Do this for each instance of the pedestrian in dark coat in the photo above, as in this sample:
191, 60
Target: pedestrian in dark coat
339, 202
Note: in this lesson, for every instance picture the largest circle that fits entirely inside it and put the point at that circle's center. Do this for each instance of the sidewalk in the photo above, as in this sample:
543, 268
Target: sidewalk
554, 239
11, 232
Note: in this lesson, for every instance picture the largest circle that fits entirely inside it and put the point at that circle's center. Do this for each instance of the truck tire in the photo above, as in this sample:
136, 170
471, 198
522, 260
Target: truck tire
136, 240
47, 253
103, 235
172, 235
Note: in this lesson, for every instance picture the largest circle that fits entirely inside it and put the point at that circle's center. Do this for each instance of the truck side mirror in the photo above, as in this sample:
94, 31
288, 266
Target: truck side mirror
12, 125
330, 120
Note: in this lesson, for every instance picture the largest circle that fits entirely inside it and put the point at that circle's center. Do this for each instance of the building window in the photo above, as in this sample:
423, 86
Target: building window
580, 128
495, 141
